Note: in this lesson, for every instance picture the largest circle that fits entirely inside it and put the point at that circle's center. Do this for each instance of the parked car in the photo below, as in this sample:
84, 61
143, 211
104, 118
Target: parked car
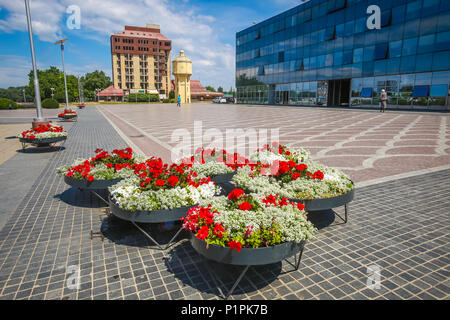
223, 100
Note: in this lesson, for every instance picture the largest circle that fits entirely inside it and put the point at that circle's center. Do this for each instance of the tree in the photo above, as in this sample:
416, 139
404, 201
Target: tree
220, 89
92, 81
209, 88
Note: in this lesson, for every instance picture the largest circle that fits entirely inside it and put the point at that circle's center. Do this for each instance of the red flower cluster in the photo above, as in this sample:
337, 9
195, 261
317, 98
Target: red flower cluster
276, 148
31, 134
118, 160
280, 202
287, 170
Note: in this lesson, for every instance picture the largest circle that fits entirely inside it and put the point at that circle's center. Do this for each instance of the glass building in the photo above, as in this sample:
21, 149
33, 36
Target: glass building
327, 53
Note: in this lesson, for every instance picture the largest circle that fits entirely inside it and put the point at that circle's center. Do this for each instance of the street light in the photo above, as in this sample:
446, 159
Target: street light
52, 94
37, 91
97, 92
24, 97
64, 69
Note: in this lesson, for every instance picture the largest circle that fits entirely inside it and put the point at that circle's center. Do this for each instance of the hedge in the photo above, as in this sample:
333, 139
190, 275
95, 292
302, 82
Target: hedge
4, 104
50, 104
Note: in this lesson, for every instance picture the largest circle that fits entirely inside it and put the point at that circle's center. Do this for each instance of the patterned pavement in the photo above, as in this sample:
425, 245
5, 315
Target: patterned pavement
401, 227
367, 145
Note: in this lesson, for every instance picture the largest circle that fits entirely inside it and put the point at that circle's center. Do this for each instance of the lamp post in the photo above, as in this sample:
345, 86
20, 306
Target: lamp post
37, 91
24, 97
97, 92
52, 94
64, 70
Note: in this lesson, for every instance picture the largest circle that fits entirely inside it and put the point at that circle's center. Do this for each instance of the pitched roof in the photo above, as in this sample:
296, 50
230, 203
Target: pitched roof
111, 92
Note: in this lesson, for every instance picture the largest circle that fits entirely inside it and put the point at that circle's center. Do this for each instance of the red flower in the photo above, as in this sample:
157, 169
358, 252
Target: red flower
245, 206
301, 167
236, 193
218, 229
173, 181
90, 178
300, 206
270, 199
69, 174
235, 245
203, 233
206, 214
318, 175
160, 182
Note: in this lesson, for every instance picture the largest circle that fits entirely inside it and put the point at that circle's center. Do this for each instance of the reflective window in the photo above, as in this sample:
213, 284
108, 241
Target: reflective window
395, 49
426, 44
409, 46
366, 93
358, 55
421, 91
381, 51
439, 90
442, 41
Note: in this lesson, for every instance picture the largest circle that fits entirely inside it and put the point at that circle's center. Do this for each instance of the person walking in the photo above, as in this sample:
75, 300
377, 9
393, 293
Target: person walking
383, 100
179, 101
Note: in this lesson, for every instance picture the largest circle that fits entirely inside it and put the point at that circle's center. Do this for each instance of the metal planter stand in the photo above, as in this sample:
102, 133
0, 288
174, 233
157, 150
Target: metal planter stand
153, 217
70, 118
41, 143
248, 257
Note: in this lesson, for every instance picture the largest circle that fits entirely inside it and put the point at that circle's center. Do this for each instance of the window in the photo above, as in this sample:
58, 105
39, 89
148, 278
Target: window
358, 55
421, 91
347, 57
281, 56
330, 33
439, 90
395, 49
366, 93
442, 41
381, 51
261, 71
409, 47
386, 18
426, 44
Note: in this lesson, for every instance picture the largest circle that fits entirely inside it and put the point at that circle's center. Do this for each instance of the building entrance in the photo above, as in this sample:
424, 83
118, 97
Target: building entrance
339, 93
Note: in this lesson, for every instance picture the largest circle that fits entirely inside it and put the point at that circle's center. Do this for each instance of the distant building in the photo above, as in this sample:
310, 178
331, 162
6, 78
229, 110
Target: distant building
182, 70
199, 93
141, 60
111, 94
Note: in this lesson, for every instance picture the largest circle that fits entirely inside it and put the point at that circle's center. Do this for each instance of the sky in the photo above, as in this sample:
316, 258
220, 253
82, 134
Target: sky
204, 29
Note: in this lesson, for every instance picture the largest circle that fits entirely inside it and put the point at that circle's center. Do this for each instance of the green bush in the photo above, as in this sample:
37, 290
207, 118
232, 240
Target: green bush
172, 101
50, 104
4, 104
141, 97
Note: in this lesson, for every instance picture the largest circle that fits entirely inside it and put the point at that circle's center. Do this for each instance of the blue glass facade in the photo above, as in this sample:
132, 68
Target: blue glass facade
322, 52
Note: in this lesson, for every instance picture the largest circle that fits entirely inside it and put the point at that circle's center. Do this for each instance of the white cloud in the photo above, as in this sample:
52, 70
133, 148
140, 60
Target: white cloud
213, 60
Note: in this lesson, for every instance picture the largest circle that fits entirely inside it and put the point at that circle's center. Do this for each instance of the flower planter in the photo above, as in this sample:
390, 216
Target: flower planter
223, 178
91, 185
68, 116
42, 142
247, 256
327, 203
156, 216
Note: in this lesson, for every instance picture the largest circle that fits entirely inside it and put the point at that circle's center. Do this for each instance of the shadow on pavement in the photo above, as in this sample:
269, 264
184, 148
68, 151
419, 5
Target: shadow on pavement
41, 149
81, 198
210, 277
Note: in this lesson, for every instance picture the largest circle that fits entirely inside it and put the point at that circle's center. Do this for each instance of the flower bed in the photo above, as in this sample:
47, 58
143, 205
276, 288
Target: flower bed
158, 186
268, 154
104, 166
248, 221
295, 177
68, 114
43, 134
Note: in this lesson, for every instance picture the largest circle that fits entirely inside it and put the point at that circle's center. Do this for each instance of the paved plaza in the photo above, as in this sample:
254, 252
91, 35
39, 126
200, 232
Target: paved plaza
398, 222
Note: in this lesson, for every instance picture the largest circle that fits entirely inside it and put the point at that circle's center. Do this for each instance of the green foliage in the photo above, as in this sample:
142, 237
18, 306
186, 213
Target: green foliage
92, 81
220, 89
142, 97
172, 94
50, 104
4, 104
15, 94
209, 88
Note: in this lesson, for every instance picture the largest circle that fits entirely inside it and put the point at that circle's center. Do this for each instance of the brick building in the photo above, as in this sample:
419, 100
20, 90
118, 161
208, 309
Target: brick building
141, 60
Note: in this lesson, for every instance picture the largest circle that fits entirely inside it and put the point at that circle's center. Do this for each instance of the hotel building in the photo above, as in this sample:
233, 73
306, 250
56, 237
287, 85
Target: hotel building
141, 60
344, 52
